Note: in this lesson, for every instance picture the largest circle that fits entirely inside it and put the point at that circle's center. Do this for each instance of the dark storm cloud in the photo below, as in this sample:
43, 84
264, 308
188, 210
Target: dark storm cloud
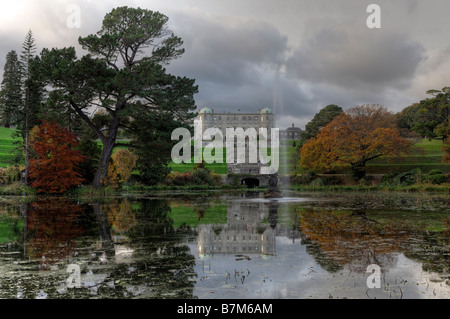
355, 58
235, 63
295, 56
229, 52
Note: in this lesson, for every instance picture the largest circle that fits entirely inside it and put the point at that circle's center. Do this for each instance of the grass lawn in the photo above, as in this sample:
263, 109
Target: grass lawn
6, 146
427, 157
10, 230
426, 160
193, 215
285, 164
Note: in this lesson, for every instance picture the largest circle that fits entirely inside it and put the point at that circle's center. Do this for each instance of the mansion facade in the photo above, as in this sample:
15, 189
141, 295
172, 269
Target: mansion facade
264, 118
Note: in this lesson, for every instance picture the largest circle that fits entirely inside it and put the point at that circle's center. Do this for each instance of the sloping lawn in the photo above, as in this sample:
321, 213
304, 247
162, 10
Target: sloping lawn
6, 146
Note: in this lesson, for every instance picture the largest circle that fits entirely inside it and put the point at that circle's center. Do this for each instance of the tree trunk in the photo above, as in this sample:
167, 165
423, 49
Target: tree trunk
103, 163
105, 234
108, 147
359, 170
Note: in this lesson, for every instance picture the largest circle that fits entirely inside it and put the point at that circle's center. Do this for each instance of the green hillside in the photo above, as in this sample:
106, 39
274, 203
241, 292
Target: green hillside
429, 158
6, 146
286, 153
426, 160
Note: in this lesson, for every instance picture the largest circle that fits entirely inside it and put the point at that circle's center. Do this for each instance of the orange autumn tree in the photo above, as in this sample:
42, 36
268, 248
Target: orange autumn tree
354, 138
54, 167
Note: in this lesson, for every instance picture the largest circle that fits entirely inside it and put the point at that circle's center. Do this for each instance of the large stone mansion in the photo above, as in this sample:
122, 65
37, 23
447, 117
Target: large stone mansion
264, 118
247, 173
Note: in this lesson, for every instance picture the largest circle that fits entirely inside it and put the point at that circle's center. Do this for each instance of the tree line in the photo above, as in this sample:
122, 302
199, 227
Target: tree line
71, 110
120, 86
335, 138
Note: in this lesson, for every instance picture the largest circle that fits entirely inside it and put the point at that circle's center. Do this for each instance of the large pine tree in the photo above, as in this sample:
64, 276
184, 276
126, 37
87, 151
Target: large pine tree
123, 75
32, 88
11, 91
32, 96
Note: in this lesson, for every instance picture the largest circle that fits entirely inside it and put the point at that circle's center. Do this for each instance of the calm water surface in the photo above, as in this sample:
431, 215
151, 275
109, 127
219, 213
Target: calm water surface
227, 246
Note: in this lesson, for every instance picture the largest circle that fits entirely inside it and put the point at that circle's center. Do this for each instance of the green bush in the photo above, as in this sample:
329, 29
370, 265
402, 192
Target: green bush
334, 180
435, 179
408, 178
202, 176
217, 179
152, 174
435, 172
198, 176
366, 180
387, 179
413, 177
178, 179
10, 175
319, 182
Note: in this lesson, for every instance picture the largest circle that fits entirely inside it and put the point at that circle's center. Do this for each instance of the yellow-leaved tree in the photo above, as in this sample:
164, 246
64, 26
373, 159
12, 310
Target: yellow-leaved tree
120, 168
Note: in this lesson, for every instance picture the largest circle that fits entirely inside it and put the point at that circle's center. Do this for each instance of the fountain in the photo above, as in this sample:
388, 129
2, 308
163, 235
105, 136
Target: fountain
273, 191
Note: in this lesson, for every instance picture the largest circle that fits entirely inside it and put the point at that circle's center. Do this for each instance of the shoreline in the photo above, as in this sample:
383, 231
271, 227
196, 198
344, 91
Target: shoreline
106, 192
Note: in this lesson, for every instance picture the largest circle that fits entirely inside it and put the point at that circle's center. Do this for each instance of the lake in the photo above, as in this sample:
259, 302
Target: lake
227, 245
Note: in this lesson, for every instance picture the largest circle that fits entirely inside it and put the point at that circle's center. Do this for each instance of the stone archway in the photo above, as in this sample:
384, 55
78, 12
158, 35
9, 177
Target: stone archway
250, 182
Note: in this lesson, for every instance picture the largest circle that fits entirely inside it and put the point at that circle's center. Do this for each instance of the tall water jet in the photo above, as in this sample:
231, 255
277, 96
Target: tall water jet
273, 191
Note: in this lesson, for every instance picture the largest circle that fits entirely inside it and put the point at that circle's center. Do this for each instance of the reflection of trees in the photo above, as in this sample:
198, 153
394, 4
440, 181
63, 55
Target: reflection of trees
152, 220
159, 263
200, 207
120, 215
11, 226
313, 249
446, 232
52, 227
432, 249
351, 239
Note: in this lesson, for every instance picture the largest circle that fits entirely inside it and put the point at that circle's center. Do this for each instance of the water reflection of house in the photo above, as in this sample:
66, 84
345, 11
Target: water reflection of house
246, 232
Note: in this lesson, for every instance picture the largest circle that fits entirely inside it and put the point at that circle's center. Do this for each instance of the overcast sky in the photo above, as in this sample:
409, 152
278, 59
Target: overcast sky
295, 56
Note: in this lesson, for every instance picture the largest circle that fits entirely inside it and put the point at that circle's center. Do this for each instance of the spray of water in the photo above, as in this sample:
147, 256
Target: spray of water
278, 109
